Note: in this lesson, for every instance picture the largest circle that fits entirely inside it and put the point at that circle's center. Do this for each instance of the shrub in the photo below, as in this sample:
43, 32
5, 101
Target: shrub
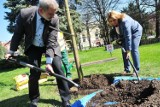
5, 64
2, 52
149, 41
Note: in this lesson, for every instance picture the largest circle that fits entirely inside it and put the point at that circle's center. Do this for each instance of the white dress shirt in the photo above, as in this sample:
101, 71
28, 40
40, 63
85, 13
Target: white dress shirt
38, 40
117, 30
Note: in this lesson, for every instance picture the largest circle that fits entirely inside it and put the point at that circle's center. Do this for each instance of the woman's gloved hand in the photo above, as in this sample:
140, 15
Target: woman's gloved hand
119, 41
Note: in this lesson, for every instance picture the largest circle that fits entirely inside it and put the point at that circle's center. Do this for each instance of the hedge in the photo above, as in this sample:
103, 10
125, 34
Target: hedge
143, 42
5, 64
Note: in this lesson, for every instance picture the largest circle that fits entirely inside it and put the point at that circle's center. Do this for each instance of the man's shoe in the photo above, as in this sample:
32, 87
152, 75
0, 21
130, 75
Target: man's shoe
73, 89
66, 104
34, 103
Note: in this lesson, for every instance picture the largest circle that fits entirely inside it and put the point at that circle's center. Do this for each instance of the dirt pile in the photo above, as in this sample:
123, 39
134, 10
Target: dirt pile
146, 93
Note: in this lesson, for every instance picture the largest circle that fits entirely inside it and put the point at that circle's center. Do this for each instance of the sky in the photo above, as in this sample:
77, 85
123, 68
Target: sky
4, 34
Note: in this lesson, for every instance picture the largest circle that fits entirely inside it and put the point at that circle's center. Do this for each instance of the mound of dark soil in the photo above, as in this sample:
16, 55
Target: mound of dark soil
145, 93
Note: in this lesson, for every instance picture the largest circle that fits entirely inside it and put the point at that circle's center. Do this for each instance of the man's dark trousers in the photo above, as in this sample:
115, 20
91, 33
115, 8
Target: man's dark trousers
34, 54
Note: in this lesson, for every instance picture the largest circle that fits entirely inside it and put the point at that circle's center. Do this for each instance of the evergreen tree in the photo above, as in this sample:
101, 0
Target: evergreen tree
16, 5
77, 23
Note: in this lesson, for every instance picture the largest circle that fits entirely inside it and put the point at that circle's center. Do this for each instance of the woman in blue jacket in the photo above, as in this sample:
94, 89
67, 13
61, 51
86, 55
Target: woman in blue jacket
130, 32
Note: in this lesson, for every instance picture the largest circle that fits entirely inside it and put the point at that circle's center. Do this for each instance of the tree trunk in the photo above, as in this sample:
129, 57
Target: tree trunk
75, 49
140, 14
87, 28
157, 17
88, 36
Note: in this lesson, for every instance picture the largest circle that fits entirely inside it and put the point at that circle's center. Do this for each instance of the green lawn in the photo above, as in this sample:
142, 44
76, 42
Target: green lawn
150, 61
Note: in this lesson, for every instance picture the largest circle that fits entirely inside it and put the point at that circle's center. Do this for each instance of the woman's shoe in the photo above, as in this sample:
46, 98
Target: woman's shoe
126, 73
134, 74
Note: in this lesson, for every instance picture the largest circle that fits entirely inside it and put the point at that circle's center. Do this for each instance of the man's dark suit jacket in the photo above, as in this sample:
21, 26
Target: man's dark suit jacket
26, 27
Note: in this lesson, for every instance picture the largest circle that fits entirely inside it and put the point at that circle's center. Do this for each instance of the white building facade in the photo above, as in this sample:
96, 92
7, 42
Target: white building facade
94, 38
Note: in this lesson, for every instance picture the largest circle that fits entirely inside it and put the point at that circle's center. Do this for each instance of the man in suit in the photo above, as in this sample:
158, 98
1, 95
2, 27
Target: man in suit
34, 24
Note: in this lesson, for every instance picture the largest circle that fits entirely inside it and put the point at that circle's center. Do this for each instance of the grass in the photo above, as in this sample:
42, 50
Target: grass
149, 56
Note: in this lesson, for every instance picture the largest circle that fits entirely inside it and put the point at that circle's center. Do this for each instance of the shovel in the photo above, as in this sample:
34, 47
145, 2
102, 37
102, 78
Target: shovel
134, 69
11, 59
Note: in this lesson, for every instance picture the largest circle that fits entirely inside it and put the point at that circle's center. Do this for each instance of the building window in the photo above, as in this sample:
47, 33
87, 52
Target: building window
84, 38
96, 34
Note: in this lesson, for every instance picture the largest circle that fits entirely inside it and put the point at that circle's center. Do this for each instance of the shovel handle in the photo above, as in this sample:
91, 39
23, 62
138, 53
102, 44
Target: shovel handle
42, 70
135, 70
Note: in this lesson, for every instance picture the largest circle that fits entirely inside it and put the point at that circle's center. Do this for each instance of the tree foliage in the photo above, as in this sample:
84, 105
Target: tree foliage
139, 15
16, 5
154, 7
77, 23
98, 10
